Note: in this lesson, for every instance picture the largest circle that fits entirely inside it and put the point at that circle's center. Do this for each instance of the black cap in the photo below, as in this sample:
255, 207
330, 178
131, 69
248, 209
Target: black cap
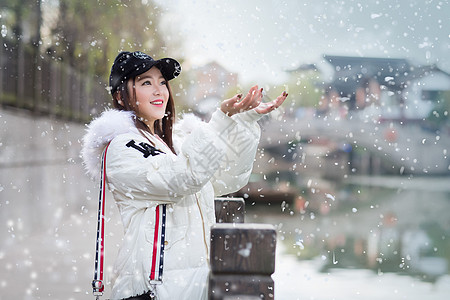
130, 64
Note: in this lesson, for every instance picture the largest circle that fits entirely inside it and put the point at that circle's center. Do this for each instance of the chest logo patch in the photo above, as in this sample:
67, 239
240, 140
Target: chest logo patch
145, 148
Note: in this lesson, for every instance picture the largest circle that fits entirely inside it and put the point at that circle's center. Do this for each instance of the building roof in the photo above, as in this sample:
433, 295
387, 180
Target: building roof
394, 73
304, 67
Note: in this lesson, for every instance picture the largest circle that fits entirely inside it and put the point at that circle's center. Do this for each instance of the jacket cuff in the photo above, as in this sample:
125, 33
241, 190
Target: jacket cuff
248, 116
220, 121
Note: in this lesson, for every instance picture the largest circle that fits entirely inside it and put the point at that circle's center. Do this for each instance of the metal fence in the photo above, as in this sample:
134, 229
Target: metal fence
43, 85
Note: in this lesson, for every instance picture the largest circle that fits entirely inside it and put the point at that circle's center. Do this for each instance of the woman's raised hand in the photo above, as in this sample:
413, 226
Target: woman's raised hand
253, 100
267, 107
238, 104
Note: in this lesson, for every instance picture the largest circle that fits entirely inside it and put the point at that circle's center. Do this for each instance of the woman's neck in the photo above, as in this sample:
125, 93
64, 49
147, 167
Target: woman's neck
151, 128
150, 125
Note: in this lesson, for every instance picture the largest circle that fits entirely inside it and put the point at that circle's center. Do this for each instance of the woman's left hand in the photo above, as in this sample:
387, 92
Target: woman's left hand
237, 104
267, 107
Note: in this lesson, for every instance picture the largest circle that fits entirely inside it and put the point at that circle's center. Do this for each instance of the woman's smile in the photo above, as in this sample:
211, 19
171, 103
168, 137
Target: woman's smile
158, 102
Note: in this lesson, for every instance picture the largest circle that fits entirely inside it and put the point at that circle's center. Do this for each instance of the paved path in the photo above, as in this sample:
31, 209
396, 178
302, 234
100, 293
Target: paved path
55, 263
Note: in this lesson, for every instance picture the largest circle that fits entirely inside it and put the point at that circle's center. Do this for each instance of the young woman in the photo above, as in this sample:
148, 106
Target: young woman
164, 176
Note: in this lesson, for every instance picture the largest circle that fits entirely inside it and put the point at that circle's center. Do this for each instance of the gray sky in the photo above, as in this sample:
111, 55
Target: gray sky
261, 39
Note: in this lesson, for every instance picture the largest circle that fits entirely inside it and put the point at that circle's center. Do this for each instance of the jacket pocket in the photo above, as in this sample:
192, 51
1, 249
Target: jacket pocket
172, 236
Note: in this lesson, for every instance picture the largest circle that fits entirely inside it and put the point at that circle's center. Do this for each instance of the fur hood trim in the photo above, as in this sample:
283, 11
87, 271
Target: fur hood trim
187, 124
100, 132
182, 128
113, 122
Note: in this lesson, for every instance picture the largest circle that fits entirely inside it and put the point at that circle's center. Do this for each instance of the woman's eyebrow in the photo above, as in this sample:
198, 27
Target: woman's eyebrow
139, 78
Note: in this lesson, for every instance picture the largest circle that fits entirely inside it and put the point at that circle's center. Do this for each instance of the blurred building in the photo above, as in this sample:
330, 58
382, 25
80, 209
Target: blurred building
211, 83
388, 88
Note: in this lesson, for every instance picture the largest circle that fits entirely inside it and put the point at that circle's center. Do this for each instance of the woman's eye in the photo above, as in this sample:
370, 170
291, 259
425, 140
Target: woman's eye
147, 82
163, 83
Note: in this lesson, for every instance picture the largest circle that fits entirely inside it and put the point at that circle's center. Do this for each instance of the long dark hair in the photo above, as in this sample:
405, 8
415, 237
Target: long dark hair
163, 127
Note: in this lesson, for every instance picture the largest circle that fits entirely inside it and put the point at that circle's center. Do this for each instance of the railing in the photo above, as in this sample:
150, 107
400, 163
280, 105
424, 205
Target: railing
37, 83
242, 255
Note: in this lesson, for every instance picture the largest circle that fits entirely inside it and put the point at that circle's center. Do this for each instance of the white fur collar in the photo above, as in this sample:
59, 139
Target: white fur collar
100, 132
185, 125
112, 123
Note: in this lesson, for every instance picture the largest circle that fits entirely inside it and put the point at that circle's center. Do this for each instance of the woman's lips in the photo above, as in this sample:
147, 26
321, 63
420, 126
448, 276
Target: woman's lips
158, 102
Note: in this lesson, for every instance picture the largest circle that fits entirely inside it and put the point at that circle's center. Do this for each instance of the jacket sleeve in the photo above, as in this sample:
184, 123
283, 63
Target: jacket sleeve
165, 177
241, 145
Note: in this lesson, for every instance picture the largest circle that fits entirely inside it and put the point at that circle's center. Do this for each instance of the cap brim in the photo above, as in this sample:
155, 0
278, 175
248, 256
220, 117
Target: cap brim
169, 67
132, 66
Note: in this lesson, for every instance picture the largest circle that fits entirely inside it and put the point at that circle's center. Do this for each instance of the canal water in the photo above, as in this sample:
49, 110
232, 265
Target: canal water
364, 238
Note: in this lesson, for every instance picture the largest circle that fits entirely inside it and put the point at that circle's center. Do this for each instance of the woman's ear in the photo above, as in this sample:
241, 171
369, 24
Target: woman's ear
118, 97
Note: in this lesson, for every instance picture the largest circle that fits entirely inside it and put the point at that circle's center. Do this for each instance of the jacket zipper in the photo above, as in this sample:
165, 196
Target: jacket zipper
204, 231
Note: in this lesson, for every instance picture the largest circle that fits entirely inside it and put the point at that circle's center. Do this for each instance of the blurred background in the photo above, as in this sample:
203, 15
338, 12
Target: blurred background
353, 171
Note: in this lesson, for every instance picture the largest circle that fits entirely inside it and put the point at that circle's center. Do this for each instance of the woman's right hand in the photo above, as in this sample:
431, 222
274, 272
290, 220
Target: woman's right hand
237, 104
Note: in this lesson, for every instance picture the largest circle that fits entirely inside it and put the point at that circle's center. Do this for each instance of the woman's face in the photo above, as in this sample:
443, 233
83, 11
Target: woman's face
152, 96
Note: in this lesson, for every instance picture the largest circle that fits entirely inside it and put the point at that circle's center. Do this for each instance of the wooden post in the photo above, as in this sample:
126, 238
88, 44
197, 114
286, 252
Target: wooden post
2, 67
20, 90
229, 210
242, 261
37, 80
66, 109
54, 90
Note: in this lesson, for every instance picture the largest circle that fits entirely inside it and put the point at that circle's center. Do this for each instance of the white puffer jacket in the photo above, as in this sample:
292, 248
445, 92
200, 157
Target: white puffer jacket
213, 159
